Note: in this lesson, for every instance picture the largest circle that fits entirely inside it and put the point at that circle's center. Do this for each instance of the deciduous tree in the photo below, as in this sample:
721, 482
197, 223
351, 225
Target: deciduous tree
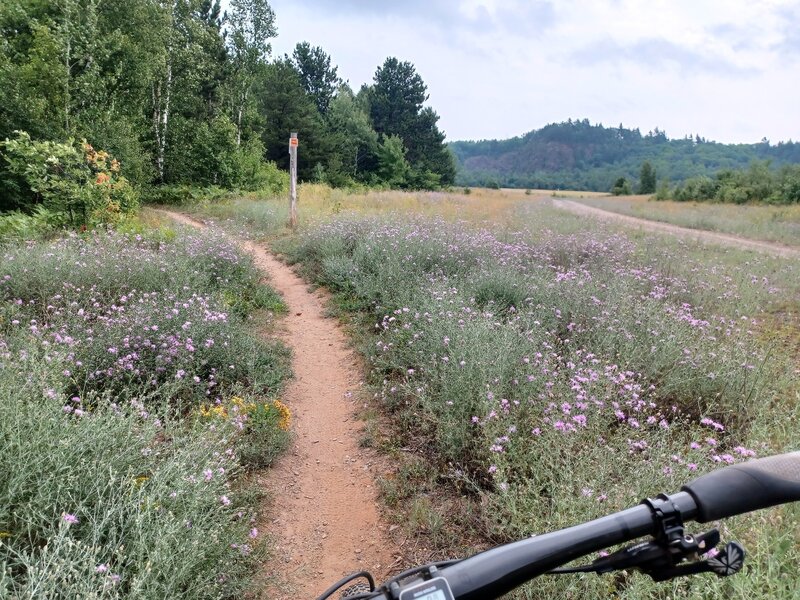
352, 135
251, 24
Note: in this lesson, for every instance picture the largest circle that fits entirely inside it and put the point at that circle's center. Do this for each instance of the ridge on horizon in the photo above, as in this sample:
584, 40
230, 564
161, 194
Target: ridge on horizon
620, 126
576, 154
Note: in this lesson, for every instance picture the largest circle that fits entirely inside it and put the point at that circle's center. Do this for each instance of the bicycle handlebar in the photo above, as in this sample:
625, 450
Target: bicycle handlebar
727, 492
497, 571
746, 487
730, 491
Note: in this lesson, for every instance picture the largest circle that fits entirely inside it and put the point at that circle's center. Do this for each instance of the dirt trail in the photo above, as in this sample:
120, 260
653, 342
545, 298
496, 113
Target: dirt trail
324, 513
696, 234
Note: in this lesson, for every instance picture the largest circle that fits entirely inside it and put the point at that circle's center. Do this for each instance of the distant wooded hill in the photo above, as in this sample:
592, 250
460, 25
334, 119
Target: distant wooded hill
581, 156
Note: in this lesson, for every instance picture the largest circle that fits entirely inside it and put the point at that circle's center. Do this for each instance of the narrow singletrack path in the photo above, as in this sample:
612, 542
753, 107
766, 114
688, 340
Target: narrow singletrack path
323, 513
702, 235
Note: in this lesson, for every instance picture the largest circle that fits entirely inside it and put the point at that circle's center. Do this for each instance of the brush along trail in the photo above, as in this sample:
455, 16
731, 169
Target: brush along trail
322, 512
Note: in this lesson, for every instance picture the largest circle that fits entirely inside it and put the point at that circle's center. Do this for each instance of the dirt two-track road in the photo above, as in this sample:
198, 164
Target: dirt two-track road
712, 237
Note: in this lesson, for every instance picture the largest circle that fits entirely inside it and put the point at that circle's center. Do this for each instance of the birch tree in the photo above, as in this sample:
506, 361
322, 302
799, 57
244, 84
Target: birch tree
250, 26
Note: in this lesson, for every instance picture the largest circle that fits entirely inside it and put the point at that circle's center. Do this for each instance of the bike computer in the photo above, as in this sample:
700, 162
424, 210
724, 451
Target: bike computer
433, 589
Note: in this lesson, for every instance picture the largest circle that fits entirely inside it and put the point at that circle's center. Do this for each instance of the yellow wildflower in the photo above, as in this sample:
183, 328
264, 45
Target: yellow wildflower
243, 406
285, 414
209, 411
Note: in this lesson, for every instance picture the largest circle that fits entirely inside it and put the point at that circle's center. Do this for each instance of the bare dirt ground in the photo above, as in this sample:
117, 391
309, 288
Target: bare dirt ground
323, 511
695, 234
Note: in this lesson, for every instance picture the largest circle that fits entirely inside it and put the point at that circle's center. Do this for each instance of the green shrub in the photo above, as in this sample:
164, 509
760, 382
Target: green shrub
731, 193
697, 188
756, 184
420, 178
266, 433
17, 225
663, 192
77, 185
790, 187
183, 195
393, 168
621, 187
263, 176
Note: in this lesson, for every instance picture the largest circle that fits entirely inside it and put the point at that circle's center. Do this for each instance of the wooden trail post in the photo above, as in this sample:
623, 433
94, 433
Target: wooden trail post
293, 143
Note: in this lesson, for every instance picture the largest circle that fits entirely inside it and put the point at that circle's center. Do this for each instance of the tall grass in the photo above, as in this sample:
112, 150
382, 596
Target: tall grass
268, 216
134, 398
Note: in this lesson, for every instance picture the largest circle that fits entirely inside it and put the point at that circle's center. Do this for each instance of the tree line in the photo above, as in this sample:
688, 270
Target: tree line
180, 92
756, 184
577, 154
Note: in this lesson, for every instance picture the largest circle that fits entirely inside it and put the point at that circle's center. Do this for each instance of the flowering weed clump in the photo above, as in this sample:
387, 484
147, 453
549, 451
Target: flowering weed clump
263, 427
139, 318
113, 483
562, 375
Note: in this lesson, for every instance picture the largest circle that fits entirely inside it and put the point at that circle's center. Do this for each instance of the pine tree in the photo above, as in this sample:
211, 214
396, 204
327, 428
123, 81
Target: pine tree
396, 107
647, 179
319, 78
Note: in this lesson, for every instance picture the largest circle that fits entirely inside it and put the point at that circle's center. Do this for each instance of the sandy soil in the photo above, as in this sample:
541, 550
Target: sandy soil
695, 234
323, 513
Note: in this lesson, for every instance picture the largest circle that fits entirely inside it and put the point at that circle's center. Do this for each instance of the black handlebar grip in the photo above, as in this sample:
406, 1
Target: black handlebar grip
746, 487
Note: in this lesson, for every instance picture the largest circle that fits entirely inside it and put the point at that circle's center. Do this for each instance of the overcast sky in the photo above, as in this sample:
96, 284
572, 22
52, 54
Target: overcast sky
726, 69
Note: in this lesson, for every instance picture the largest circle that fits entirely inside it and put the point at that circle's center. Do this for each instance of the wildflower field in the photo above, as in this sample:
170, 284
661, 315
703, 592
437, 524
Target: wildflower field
135, 398
554, 369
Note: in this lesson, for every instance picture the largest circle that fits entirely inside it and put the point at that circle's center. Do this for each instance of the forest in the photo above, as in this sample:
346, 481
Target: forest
579, 155
146, 96
108, 104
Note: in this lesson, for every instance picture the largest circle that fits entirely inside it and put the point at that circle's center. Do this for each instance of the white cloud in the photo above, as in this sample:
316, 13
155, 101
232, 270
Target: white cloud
727, 69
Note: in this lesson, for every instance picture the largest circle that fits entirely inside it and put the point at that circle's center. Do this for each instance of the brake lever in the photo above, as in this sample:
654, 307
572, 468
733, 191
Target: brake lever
728, 562
660, 561
672, 544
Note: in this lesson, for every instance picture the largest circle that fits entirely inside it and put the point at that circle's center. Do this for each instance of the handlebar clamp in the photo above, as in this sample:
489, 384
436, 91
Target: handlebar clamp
669, 523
